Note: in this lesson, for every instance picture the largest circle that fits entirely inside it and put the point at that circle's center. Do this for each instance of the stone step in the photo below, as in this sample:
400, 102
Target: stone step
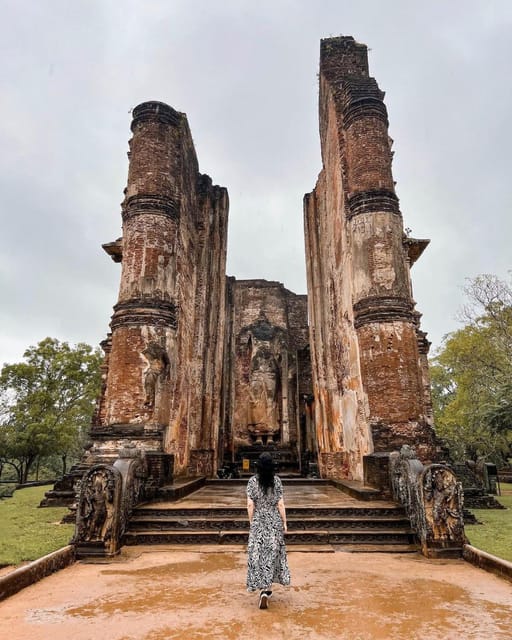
358, 490
306, 536
291, 481
171, 510
294, 524
382, 547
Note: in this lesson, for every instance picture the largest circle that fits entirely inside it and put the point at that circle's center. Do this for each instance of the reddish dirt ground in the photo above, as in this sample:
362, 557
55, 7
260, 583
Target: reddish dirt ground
170, 593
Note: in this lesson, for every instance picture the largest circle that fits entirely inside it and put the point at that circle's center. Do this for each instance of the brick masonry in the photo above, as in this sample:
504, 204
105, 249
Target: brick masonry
370, 373
164, 357
177, 364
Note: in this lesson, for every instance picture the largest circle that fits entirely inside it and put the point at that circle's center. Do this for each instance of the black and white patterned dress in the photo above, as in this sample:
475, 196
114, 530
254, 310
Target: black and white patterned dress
267, 561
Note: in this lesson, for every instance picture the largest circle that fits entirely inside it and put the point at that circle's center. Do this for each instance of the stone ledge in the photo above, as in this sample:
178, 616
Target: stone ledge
357, 489
488, 562
378, 309
242, 481
180, 488
29, 574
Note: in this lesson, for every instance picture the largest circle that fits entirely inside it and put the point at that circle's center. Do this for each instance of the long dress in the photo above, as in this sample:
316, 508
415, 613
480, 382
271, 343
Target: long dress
267, 561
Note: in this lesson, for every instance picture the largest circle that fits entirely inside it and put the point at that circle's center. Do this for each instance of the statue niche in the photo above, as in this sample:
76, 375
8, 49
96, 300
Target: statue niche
158, 370
263, 407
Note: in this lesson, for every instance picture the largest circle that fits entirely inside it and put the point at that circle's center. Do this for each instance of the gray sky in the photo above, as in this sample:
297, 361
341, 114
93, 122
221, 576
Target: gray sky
245, 73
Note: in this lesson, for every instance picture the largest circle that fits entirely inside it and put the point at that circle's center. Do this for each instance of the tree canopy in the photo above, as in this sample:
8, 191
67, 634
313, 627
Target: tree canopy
472, 374
46, 403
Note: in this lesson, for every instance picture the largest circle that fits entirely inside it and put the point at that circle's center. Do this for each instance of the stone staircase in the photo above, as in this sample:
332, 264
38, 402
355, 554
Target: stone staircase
355, 526
475, 497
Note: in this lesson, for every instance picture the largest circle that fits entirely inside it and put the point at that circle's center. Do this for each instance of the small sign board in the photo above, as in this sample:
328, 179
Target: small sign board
245, 464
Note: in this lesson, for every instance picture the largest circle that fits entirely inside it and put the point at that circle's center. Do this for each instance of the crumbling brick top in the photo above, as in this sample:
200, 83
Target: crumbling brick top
342, 56
156, 111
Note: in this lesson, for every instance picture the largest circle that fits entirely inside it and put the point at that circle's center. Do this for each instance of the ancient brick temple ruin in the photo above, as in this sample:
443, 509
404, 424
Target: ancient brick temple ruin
201, 368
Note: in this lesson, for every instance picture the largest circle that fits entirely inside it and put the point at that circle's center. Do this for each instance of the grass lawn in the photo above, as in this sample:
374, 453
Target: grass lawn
494, 535
26, 532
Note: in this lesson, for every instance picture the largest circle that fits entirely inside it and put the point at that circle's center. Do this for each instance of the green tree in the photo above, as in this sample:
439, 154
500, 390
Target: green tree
472, 372
46, 403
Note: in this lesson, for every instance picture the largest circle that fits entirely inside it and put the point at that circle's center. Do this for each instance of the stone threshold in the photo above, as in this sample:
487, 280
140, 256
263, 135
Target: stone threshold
286, 480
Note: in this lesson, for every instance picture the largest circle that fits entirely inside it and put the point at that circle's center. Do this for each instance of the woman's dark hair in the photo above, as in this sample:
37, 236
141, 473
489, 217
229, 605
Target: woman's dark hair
266, 472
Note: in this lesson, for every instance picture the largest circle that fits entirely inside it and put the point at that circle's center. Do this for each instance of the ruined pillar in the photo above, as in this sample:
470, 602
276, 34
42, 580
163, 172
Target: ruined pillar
369, 384
142, 346
165, 354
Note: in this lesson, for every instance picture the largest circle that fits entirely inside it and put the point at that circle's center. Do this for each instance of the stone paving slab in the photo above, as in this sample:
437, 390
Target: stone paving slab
167, 594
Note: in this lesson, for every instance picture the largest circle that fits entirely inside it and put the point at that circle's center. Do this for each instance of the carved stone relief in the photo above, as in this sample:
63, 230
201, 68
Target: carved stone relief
98, 505
443, 503
157, 371
433, 499
263, 413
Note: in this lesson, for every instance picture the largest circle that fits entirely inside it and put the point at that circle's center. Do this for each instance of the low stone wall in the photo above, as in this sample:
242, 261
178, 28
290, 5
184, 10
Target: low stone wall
486, 561
24, 576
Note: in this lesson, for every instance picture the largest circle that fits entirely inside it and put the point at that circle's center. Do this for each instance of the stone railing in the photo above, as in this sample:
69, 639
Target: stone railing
108, 495
433, 499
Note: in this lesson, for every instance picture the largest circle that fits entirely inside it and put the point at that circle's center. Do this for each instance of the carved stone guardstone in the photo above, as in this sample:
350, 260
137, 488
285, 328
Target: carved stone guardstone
434, 501
108, 495
98, 513
443, 499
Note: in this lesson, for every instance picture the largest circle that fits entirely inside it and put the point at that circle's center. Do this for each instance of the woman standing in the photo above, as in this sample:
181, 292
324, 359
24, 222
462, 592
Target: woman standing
267, 561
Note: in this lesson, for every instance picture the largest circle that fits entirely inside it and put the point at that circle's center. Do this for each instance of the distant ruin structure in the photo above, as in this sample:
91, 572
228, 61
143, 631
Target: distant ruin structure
369, 356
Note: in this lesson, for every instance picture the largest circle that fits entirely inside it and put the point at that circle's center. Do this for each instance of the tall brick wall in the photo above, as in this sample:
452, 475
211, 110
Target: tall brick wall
368, 356
163, 365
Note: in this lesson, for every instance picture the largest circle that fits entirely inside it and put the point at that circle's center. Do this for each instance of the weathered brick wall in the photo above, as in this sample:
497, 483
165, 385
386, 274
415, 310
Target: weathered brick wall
163, 368
370, 379
208, 342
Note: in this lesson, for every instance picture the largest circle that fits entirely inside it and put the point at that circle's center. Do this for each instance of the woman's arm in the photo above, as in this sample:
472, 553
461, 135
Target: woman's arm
282, 511
250, 509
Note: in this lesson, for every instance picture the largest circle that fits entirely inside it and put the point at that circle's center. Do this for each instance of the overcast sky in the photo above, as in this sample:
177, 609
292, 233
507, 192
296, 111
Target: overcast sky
245, 73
